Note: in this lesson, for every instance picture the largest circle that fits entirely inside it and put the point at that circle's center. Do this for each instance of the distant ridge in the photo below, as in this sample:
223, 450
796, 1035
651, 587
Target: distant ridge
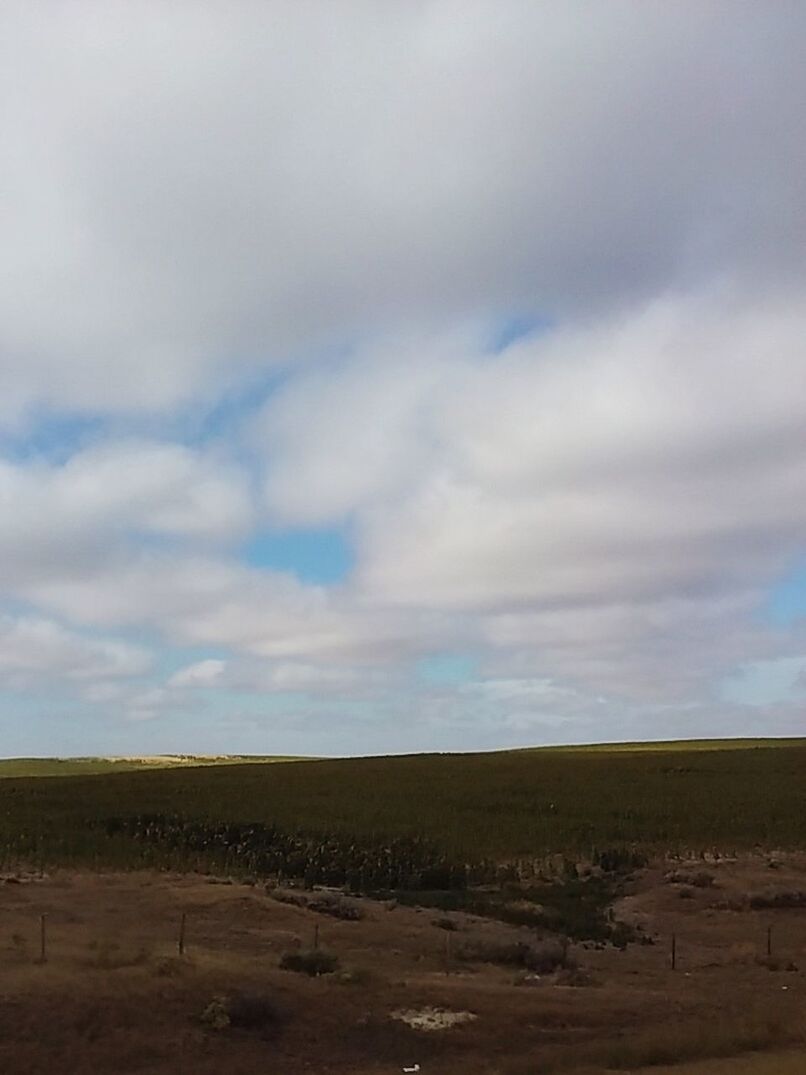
112, 763
97, 765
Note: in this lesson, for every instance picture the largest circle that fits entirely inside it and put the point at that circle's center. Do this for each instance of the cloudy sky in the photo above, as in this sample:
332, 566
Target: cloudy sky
399, 376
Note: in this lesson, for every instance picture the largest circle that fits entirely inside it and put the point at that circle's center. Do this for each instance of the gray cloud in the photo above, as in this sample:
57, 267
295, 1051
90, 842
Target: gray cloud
193, 190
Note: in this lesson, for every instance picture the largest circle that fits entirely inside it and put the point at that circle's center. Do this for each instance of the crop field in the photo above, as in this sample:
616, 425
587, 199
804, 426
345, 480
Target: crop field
443, 810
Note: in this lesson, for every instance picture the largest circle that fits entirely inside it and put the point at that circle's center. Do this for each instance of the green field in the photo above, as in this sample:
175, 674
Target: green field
496, 806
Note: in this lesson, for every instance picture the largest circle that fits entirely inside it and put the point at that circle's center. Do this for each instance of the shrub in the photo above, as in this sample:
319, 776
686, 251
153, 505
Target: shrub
700, 879
668, 1044
311, 961
575, 978
540, 958
354, 976
619, 860
246, 1011
108, 955
775, 964
621, 934
251, 1011
336, 907
169, 967
761, 900
284, 895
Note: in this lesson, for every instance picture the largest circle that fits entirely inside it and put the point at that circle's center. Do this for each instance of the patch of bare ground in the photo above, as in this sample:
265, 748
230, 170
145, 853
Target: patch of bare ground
115, 995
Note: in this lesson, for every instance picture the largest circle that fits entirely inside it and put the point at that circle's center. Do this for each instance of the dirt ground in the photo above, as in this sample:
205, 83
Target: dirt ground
114, 995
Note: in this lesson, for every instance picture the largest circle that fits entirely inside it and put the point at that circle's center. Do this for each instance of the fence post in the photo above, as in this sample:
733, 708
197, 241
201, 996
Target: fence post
674, 951
316, 936
769, 941
43, 955
181, 942
447, 953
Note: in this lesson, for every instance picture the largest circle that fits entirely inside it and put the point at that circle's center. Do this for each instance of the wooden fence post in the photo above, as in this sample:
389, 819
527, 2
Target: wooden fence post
674, 951
316, 936
769, 941
43, 955
181, 942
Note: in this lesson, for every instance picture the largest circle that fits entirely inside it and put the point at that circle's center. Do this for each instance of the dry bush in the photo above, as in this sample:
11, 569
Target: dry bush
328, 904
703, 1040
733, 904
310, 961
576, 978
19, 947
775, 964
169, 966
540, 958
336, 907
697, 879
243, 1011
109, 955
775, 900
446, 923
285, 895
354, 976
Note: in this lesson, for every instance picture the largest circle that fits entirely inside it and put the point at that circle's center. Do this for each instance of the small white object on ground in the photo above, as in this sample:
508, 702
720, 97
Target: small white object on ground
415, 1068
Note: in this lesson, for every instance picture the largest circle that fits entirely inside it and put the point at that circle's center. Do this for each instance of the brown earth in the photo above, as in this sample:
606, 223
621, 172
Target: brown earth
115, 996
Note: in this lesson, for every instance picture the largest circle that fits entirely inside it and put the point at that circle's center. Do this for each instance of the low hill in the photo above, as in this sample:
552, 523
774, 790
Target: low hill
504, 805
94, 766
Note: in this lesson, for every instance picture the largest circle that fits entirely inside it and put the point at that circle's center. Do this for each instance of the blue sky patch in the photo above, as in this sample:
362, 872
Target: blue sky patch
53, 437
787, 599
321, 556
766, 682
516, 327
446, 669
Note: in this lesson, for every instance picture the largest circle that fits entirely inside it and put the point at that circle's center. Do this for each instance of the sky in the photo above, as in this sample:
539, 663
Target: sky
386, 377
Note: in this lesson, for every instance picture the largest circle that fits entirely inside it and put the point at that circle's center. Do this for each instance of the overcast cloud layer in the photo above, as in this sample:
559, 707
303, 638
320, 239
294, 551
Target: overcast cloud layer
503, 300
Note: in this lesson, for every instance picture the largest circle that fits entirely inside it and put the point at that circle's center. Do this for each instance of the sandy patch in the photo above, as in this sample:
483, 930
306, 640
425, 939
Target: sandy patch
432, 1018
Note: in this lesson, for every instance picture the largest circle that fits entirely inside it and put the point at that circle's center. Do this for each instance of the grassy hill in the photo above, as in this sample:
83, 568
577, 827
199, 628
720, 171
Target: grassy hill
525, 803
99, 765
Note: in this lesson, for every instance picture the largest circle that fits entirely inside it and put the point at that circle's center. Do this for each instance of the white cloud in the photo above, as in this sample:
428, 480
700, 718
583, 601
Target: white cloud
66, 518
201, 674
659, 456
33, 649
